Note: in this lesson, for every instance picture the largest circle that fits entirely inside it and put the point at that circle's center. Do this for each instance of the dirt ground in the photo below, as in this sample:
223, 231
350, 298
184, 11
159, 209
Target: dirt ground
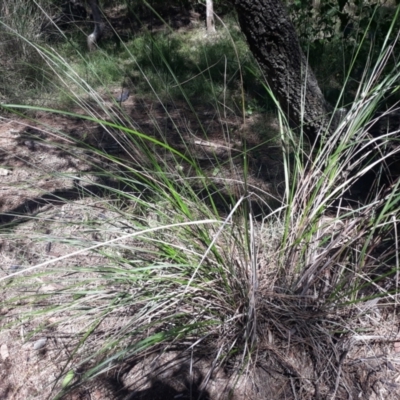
41, 191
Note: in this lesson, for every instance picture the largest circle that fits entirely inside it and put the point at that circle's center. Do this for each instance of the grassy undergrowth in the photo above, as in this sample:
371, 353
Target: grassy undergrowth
152, 264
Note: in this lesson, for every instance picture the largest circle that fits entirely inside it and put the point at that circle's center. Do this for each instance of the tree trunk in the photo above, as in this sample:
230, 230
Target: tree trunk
98, 31
274, 43
210, 16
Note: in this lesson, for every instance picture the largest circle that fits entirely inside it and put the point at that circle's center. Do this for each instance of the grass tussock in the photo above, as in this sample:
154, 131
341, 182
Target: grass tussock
163, 251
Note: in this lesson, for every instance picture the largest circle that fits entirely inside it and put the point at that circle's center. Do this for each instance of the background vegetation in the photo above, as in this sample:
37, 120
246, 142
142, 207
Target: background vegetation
254, 257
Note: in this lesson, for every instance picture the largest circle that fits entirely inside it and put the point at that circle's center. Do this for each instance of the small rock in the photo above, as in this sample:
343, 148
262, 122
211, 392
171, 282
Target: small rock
51, 288
122, 96
39, 344
4, 352
4, 172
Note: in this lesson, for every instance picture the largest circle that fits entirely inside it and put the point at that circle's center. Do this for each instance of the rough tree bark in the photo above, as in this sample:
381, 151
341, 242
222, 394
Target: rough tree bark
274, 43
